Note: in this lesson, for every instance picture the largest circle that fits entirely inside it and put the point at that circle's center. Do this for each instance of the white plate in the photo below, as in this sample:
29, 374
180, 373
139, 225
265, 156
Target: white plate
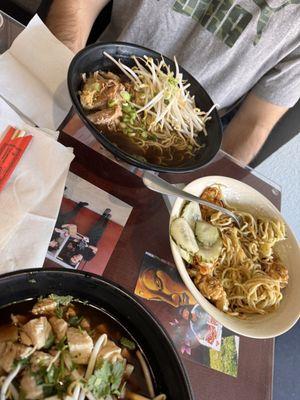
245, 198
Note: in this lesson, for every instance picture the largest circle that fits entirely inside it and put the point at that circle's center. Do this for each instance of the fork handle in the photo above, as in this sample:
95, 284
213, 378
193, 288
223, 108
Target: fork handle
159, 185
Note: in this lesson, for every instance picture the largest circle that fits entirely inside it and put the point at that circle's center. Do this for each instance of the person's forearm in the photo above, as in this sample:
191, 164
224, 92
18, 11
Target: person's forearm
243, 141
71, 20
251, 126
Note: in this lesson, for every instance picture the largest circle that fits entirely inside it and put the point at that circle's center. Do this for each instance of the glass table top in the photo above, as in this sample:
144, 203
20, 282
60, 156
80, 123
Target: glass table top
95, 164
9, 30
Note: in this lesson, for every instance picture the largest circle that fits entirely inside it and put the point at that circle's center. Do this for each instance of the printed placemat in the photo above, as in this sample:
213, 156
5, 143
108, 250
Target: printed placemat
197, 336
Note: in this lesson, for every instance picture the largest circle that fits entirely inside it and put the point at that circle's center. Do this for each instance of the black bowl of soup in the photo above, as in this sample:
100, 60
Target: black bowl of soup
76, 333
144, 108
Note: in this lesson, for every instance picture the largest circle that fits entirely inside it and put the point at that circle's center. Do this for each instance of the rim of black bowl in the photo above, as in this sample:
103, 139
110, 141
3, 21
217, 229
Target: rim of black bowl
116, 151
30, 273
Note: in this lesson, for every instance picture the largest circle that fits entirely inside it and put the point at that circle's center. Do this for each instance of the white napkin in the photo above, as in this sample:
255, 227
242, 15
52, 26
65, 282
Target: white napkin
30, 201
33, 75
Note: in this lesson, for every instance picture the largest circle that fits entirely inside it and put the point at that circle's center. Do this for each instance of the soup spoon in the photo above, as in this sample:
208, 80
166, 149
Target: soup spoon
159, 185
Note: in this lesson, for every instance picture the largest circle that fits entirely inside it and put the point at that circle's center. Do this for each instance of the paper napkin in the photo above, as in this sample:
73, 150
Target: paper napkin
33, 74
30, 201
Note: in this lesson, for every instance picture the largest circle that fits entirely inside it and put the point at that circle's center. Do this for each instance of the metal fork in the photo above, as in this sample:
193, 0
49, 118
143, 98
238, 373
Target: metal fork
159, 185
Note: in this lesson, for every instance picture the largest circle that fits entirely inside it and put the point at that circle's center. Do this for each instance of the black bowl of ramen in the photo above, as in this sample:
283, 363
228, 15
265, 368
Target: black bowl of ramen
106, 304
161, 155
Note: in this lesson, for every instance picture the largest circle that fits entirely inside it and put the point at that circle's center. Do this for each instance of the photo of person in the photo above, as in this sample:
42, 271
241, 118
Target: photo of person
197, 335
159, 285
88, 226
62, 228
79, 247
195, 326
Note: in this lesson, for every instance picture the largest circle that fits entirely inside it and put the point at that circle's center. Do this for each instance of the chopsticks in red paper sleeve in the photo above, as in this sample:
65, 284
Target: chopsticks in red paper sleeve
12, 147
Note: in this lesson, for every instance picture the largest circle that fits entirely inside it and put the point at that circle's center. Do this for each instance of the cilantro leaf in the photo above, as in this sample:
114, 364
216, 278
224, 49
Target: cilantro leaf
127, 343
59, 312
48, 390
61, 345
75, 321
50, 341
53, 381
61, 300
98, 383
106, 379
117, 373
23, 362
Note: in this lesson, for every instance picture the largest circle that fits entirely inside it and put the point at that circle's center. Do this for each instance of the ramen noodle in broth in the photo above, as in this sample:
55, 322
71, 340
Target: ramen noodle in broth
147, 111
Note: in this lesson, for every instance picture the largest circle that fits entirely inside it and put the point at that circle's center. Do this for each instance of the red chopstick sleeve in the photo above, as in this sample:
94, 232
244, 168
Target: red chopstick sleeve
10, 154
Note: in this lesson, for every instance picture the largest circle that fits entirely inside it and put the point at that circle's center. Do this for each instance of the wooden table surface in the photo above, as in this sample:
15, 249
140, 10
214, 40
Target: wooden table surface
147, 230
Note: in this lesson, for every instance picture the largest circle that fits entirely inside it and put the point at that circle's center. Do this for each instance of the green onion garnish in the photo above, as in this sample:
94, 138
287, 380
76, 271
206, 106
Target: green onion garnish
95, 86
125, 95
112, 103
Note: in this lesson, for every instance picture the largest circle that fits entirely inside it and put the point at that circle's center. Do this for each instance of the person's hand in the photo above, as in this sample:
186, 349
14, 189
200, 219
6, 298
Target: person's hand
250, 127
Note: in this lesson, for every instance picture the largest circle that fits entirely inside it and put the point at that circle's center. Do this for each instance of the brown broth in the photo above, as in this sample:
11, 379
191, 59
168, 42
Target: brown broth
170, 157
96, 317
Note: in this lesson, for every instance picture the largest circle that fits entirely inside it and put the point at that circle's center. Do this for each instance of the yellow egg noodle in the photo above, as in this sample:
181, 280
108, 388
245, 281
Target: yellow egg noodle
248, 276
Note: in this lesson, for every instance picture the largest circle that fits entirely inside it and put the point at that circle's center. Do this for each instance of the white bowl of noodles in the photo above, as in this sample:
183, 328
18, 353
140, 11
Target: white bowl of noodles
277, 319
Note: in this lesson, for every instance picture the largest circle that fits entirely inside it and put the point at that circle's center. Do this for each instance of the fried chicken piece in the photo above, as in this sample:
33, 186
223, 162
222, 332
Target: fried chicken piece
204, 268
212, 289
195, 275
199, 269
223, 303
278, 272
213, 195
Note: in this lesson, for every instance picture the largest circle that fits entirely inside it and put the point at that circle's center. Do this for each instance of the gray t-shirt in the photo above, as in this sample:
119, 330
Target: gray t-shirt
229, 46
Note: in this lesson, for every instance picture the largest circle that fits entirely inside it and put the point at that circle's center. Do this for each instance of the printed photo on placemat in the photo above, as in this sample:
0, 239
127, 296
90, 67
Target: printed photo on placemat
88, 227
197, 336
